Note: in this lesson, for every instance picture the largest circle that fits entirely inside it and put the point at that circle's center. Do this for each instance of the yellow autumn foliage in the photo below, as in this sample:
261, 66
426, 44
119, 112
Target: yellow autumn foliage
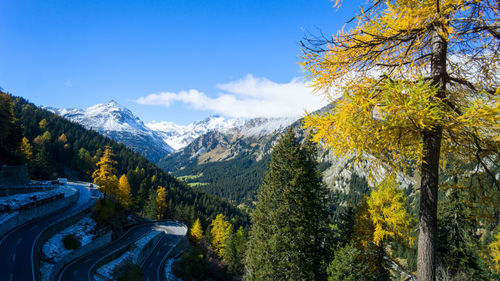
161, 202
495, 252
124, 191
219, 233
382, 66
196, 232
383, 216
105, 174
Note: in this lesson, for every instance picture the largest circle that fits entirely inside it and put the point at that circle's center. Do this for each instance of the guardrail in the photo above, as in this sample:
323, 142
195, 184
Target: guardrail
19, 189
33, 204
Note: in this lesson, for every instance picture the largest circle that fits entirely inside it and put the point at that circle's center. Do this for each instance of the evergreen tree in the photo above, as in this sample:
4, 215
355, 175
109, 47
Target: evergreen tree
234, 251
289, 223
347, 265
458, 248
105, 174
124, 191
150, 210
6, 116
196, 232
10, 132
161, 203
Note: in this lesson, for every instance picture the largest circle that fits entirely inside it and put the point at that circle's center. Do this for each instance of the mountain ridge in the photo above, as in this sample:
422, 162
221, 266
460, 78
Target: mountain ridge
119, 123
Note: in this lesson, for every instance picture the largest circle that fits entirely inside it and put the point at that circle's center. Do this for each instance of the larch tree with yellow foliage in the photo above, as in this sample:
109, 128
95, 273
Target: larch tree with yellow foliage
105, 174
26, 148
420, 83
494, 248
219, 233
161, 202
387, 213
383, 218
124, 191
196, 232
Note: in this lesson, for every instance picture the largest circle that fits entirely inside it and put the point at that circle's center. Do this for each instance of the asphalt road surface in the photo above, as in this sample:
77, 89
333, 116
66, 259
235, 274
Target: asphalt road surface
153, 265
79, 270
16, 247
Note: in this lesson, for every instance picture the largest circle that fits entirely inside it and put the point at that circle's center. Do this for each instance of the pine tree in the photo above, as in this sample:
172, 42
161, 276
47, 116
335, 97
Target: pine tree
347, 265
219, 233
161, 203
196, 232
124, 191
150, 209
289, 222
234, 251
105, 174
458, 247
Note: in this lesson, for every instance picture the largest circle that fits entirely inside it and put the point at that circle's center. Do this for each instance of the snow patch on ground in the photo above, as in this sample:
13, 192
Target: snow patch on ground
105, 272
15, 202
53, 250
137, 246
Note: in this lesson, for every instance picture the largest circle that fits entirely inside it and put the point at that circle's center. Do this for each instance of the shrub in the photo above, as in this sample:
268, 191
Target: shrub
71, 242
128, 272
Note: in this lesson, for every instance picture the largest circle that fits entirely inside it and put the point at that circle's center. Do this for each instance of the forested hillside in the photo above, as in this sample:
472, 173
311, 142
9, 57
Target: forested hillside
55, 147
230, 166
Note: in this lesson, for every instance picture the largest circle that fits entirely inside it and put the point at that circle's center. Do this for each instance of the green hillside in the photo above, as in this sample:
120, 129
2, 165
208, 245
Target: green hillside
65, 149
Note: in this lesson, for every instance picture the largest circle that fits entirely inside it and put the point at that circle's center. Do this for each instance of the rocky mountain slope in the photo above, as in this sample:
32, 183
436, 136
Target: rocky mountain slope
178, 136
119, 123
231, 163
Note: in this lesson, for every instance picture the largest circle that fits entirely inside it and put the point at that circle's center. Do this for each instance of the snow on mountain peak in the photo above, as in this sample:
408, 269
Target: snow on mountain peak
114, 120
178, 136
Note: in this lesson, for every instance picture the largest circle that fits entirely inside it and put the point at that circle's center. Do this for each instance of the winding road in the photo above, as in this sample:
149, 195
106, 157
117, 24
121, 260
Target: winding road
80, 269
153, 265
17, 246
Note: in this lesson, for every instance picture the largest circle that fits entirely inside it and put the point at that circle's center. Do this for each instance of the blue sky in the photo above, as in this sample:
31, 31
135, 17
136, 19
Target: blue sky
172, 60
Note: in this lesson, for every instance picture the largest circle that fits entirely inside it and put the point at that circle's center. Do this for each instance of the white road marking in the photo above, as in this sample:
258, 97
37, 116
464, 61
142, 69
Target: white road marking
11, 277
14, 257
19, 241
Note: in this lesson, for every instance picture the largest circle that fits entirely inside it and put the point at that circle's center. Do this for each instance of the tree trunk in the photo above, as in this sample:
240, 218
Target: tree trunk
426, 268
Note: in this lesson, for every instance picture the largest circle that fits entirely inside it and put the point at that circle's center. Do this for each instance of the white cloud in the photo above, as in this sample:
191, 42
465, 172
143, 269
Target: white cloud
249, 97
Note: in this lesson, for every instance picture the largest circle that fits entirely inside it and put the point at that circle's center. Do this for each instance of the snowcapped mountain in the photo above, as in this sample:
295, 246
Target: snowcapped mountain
178, 136
117, 122
253, 139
